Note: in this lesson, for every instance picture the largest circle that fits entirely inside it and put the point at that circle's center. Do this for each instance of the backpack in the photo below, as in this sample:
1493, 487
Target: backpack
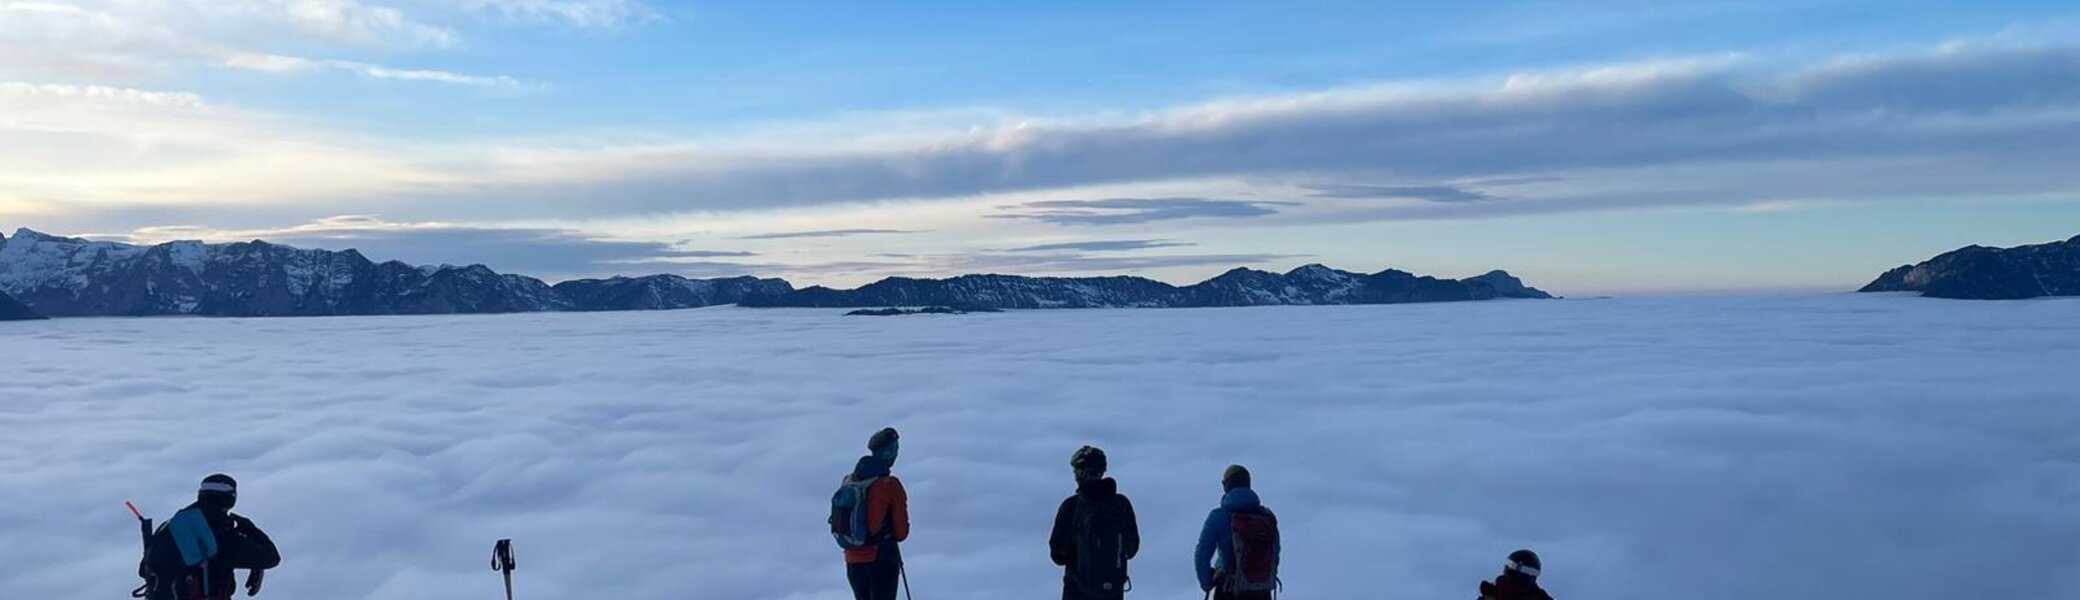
1255, 541
1101, 553
165, 576
849, 513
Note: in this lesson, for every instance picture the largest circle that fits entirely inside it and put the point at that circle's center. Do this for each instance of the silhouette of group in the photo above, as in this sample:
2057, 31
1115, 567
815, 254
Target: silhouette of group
195, 554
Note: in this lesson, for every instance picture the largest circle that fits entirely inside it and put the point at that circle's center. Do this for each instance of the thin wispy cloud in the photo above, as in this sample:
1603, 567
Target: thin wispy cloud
1102, 246
825, 233
1128, 211
586, 14
1430, 193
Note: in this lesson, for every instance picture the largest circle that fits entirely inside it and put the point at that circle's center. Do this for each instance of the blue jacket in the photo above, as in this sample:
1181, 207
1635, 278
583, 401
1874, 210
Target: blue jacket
1217, 538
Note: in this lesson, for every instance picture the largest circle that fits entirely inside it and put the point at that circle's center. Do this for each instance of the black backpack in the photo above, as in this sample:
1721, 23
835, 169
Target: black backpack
1101, 553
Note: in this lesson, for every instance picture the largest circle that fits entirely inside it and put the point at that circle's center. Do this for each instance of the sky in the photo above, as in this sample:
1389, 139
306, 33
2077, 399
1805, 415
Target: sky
1591, 147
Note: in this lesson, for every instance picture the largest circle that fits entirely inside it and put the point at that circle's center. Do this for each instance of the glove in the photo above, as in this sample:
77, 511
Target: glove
240, 522
253, 582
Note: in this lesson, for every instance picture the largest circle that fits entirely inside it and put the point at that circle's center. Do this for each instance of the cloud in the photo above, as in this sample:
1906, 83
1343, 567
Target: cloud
2017, 108
1102, 246
1961, 122
827, 233
587, 14
540, 252
134, 38
1124, 211
1431, 193
275, 63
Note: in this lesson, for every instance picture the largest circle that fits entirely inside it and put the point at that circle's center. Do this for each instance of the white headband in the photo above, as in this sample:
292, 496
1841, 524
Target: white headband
1525, 569
212, 486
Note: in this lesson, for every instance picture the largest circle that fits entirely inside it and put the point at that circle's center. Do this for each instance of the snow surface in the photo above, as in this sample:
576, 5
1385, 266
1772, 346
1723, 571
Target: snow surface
1852, 446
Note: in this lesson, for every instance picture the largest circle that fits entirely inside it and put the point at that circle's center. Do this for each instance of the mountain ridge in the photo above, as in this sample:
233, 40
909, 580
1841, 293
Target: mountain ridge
67, 276
1987, 273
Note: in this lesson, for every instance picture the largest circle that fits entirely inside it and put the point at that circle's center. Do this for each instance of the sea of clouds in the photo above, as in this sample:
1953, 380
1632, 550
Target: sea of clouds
1813, 447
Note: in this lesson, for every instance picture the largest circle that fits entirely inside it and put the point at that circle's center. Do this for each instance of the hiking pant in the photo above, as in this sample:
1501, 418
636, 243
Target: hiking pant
875, 580
1221, 591
1071, 592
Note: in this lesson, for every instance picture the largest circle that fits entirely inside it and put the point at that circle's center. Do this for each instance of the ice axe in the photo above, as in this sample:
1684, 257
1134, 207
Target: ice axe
502, 561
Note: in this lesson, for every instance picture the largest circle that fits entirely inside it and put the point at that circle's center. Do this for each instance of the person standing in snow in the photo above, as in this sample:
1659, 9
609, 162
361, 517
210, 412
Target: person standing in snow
1239, 547
1095, 532
1519, 579
874, 567
193, 555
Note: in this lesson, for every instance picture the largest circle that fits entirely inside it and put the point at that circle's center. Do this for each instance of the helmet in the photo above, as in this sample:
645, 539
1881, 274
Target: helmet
218, 491
1523, 562
1088, 461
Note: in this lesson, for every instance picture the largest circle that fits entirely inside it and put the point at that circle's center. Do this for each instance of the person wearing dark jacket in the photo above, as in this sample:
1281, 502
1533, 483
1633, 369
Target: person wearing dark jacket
195, 554
1216, 552
1093, 489
876, 570
1519, 579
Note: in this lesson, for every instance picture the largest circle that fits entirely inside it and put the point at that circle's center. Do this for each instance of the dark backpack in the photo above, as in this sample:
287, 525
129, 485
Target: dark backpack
849, 513
1255, 540
1101, 553
165, 576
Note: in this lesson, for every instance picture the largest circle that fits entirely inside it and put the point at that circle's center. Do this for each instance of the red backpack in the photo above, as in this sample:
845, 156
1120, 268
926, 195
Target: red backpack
1256, 552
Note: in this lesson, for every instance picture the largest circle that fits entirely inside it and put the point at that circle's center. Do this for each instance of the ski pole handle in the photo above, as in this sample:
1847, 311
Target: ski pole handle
133, 510
502, 556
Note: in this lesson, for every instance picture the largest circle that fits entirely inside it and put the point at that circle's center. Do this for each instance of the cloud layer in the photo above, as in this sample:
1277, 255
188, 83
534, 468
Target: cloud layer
1820, 448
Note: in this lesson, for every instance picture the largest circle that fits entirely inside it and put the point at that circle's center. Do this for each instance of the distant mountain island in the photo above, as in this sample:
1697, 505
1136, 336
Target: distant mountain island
65, 277
1983, 273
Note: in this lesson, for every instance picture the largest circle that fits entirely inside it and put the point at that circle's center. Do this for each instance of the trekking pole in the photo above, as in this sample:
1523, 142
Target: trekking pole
902, 570
502, 561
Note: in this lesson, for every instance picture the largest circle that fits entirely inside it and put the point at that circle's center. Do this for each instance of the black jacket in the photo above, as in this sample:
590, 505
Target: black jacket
1512, 586
1062, 544
240, 545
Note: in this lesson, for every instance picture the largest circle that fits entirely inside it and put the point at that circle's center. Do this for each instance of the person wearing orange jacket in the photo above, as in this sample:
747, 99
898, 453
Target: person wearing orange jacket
876, 568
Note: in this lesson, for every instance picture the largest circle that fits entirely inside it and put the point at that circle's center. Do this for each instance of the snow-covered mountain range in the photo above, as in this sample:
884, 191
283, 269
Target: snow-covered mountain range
1311, 284
62, 276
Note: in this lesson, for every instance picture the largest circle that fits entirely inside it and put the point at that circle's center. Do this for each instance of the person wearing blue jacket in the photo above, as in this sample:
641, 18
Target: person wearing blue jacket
1216, 553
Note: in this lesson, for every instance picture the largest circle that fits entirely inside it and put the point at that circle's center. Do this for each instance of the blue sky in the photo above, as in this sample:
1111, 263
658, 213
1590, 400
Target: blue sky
1591, 147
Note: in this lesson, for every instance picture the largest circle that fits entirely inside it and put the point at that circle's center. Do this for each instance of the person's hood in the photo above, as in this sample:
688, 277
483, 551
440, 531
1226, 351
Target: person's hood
869, 467
1240, 498
1098, 488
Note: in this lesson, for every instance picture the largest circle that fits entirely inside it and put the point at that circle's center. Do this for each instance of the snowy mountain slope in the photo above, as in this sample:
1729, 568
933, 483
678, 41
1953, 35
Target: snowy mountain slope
61, 276
1310, 284
12, 310
73, 277
1983, 273
662, 292
1787, 448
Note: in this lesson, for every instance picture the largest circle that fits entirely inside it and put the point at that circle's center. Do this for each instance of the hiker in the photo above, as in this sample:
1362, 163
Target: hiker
192, 556
870, 516
1519, 579
1095, 533
1239, 546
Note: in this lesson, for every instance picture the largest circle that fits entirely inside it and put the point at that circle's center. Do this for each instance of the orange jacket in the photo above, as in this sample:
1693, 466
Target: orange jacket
887, 504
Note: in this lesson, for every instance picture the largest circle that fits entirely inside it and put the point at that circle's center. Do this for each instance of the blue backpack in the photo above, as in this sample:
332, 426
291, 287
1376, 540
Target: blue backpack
849, 513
